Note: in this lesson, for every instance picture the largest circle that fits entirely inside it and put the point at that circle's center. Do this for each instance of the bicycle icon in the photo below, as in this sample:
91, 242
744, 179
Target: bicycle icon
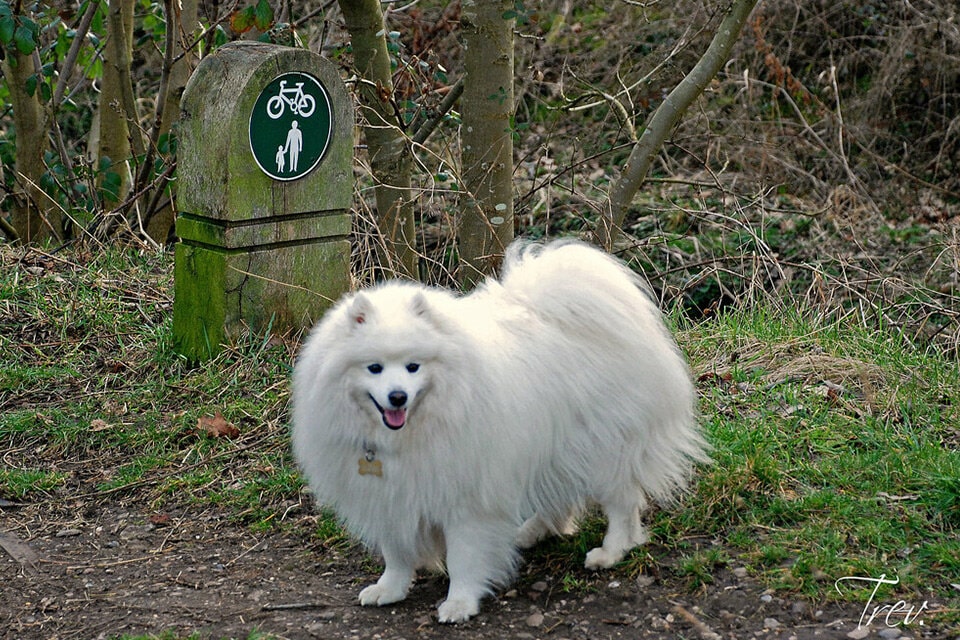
300, 103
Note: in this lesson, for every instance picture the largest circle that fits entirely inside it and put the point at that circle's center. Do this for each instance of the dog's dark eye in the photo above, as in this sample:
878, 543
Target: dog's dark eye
376, 367
413, 367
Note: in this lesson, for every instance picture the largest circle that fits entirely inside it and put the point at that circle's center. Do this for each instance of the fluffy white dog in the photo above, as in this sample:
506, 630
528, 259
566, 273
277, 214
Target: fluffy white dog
449, 429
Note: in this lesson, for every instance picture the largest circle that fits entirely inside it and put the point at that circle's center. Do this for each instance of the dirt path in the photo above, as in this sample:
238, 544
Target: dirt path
106, 573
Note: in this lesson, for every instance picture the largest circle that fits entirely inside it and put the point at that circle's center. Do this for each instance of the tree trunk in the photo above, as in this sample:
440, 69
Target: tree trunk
182, 19
662, 121
486, 225
389, 150
117, 111
34, 217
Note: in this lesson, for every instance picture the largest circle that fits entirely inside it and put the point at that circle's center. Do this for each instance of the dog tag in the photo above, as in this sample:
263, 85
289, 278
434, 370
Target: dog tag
371, 468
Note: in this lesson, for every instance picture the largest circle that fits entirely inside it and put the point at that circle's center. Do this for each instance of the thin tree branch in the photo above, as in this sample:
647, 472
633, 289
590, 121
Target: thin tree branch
423, 132
71, 60
661, 123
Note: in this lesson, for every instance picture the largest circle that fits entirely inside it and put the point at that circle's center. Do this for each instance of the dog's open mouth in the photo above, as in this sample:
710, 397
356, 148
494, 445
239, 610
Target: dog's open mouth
393, 418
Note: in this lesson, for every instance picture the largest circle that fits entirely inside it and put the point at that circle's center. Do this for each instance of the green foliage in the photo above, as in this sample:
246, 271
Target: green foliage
72, 184
522, 14
104, 326
808, 484
827, 482
18, 32
8, 23
698, 568
259, 15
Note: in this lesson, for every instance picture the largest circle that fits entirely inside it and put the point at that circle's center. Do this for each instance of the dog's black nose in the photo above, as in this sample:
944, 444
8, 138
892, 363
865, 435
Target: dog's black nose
397, 398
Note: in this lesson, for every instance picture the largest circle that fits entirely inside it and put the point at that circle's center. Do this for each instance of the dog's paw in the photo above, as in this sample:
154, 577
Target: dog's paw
454, 610
379, 595
600, 558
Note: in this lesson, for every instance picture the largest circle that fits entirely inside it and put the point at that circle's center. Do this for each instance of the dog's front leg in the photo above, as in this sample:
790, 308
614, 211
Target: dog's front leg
394, 584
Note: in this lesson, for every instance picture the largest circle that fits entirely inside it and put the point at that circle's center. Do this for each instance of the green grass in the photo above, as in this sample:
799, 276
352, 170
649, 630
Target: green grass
836, 452
90, 383
835, 446
23, 483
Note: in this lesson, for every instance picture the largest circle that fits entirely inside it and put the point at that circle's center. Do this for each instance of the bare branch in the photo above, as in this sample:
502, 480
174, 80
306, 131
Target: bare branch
662, 121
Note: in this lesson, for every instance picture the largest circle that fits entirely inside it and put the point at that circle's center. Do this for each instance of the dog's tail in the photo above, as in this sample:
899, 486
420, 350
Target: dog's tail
573, 282
589, 293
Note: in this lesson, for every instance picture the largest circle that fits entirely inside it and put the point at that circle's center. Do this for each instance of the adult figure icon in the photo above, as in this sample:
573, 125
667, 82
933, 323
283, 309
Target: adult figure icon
294, 144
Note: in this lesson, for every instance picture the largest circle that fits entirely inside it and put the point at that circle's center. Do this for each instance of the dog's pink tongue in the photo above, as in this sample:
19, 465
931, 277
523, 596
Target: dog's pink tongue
395, 417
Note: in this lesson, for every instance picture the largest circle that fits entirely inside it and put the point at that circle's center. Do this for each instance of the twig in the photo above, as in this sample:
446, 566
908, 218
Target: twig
295, 24
70, 61
100, 218
682, 43
424, 131
161, 102
293, 606
8, 230
667, 115
705, 632
206, 32
245, 553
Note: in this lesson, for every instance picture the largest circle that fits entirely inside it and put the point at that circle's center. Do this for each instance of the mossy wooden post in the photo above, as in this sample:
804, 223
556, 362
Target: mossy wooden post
265, 183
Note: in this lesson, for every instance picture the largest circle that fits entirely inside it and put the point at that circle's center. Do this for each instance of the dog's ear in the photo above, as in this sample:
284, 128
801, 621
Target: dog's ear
360, 310
420, 306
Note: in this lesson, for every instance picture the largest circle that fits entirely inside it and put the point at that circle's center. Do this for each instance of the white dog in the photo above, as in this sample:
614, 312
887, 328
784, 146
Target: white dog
446, 429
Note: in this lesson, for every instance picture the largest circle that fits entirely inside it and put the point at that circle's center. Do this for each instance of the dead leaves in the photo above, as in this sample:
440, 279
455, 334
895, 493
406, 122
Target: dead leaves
159, 519
214, 427
208, 428
217, 427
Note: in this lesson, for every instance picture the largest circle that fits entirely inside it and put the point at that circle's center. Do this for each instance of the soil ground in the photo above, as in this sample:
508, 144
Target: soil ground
92, 571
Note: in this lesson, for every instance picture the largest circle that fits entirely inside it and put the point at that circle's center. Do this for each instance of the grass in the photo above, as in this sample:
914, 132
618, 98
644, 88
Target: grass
93, 399
836, 452
835, 445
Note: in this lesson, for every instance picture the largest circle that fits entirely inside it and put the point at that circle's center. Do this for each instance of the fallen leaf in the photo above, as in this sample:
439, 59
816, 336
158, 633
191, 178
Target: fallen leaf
217, 427
160, 520
718, 379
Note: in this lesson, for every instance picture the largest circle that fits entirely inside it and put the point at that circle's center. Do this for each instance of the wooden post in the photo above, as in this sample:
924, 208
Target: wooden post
265, 182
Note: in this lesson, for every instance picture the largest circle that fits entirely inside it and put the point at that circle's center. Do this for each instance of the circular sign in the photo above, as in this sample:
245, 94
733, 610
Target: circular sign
291, 126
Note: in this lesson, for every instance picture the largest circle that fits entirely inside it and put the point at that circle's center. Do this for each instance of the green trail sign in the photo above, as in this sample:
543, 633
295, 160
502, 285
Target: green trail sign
265, 184
290, 126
